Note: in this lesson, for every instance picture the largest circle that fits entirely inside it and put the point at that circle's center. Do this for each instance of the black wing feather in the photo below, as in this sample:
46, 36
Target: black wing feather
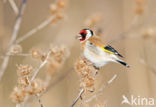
108, 47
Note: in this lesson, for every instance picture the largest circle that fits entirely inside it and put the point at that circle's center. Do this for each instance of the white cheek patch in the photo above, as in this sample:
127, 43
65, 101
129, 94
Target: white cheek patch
88, 34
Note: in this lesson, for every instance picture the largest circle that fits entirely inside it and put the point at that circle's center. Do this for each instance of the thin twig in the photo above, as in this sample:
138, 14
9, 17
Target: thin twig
41, 65
39, 100
132, 28
53, 84
14, 6
18, 105
36, 29
125, 34
21, 54
78, 97
101, 89
13, 38
57, 81
37, 71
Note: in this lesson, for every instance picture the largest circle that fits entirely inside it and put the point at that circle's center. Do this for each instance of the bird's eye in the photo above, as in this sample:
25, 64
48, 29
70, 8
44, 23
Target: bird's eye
83, 33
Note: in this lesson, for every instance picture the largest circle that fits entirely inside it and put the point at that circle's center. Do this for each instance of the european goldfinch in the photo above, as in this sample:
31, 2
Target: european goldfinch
95, 51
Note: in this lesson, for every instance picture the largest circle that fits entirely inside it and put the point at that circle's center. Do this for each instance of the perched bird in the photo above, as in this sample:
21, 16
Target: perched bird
96, 51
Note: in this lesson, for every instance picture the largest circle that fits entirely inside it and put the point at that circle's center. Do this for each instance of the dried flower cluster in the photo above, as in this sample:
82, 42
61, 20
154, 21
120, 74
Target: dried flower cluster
25, 87
56, 9
140, 7
57, 58
87, 73
93, 20
36, 54
101, 105
16, 49
149, 33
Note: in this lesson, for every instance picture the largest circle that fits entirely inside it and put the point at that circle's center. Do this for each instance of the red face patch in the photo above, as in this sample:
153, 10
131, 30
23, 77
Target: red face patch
83, 32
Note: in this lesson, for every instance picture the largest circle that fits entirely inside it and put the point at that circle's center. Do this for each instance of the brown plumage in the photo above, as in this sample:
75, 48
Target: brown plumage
96, 41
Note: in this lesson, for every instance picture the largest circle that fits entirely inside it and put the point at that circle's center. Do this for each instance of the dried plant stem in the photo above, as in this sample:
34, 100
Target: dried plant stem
36, 29
18, 105
14, 6
101, 89
41, 65
61, 78
52, 85
39, 100
22, 54
125, 34
13, 38
78, 97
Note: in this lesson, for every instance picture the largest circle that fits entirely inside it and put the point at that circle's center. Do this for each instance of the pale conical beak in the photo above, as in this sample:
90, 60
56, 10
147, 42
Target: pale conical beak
78, 36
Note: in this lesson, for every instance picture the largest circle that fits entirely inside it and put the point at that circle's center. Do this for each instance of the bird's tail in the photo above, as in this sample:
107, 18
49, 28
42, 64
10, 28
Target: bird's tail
123, 63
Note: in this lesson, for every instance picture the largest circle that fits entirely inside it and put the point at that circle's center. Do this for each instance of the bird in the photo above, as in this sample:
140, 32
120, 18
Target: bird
96, 51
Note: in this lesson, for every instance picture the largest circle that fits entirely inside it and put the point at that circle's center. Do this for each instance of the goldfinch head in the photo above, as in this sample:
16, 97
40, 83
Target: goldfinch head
84, 34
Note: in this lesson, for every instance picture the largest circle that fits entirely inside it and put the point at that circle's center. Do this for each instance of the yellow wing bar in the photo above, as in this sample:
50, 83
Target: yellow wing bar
107, 50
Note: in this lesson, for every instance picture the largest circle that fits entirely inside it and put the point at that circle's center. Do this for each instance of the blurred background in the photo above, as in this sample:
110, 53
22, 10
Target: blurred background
127, 25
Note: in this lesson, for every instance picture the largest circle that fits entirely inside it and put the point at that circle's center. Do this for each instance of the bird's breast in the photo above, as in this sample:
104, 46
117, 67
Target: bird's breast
95, 55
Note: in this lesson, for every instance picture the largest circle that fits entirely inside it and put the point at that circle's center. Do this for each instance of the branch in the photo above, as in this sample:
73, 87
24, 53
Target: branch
52, 85
39, 100
101, 89
125, 34
133, 27
21, 54
78, 97
14, 6
13, 38
36, 29
41, 66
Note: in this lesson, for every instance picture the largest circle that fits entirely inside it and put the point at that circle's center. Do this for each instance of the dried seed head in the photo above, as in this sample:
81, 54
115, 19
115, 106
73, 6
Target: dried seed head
84, 67
53, 67
53, 8
23, 81
16, 49
88, 83
140, 7
93, 20
43, 57
87, 73
140, 2
101, 105
148, 33
54, 21
37, 86
18, 95
139, 10
61, 4
36, 54
23, 70
57, 58
59, 16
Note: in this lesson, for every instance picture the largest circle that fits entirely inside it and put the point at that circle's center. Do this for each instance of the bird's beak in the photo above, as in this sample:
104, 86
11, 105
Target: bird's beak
78, 36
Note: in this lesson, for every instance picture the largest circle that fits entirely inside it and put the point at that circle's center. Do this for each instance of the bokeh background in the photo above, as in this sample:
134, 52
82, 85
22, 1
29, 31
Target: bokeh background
127, 25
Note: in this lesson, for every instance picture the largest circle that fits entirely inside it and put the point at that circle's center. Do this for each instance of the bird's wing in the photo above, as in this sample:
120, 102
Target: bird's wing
110, 49
107, 48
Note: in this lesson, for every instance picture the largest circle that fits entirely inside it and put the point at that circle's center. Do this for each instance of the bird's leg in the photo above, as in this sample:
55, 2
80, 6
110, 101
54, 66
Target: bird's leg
81, 97
92, 90
97, 68
96, 73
